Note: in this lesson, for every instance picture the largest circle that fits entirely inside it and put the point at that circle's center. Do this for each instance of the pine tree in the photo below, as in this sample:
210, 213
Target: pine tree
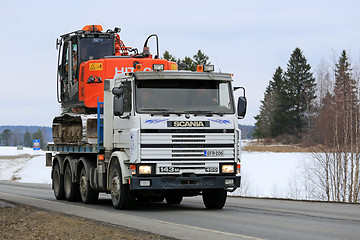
188, 63
265, 120
27, 139
298, 95
169, 57
345, 95
6, 135
200, 58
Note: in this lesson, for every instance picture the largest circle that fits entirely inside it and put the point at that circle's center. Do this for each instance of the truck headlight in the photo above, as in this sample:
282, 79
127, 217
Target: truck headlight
227, 168
145, 169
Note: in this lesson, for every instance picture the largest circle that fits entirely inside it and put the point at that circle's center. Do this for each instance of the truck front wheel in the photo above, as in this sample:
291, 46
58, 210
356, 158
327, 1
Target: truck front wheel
121, 195
87, 193
58, 183
214, 198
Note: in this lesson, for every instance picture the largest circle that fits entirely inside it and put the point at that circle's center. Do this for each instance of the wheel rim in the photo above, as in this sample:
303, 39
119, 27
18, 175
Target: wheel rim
56, 182
67, 181
83, 185
115, 191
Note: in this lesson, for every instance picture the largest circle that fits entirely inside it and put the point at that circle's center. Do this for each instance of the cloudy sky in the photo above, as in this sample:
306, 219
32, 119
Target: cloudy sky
247, 38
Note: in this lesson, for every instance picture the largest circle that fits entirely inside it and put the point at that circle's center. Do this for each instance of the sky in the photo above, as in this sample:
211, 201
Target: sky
249, 39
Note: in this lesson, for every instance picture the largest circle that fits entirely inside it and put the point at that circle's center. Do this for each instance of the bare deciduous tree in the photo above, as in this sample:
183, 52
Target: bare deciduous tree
337, 170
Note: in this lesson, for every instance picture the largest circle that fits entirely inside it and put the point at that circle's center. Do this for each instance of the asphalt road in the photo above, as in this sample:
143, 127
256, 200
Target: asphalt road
242, 218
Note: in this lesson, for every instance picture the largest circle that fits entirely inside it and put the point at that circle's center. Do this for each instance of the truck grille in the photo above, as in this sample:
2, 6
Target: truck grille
187, 145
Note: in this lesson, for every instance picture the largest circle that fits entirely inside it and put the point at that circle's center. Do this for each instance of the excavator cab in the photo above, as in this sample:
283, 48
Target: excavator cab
74, 49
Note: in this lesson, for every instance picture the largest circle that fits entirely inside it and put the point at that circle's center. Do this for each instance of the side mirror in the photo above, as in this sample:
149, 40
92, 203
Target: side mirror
117, 91
241, 107
118, 101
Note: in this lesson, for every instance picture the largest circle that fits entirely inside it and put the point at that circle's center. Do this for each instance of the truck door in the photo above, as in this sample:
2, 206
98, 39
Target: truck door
68, 71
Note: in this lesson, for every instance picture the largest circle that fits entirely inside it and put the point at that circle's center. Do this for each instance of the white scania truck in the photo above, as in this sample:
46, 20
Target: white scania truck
160, 134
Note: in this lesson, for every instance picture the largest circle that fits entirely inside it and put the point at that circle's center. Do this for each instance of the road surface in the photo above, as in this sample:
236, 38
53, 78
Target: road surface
242, 218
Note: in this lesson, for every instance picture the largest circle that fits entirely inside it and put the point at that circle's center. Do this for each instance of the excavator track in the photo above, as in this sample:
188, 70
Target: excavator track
75, 129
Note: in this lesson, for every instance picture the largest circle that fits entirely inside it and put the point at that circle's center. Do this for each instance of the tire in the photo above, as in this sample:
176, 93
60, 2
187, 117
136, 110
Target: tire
72, 192
58, 183
174, 198
214, 198
121, 195
87, 193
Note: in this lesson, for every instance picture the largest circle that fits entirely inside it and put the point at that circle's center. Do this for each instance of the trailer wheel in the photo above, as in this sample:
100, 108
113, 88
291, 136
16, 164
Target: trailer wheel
58, 183
121, 195
174, 198
72, 192
87, 193
214, 198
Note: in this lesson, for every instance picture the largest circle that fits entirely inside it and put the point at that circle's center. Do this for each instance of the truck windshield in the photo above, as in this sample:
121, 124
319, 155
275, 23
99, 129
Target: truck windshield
96, 48
184, 96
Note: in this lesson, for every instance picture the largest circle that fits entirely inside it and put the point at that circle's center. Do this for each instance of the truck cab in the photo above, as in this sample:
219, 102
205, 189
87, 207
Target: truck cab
175, 134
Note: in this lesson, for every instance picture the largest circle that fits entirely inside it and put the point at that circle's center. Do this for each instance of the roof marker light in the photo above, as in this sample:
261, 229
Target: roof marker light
158, 67
209, 68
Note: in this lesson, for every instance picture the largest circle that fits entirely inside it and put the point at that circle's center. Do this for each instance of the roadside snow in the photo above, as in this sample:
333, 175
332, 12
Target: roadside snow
23, 166
263, 174
269, 174
12, 151
34, 171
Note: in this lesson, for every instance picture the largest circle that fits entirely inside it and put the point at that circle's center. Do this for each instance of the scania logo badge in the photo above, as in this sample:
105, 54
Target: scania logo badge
188, 124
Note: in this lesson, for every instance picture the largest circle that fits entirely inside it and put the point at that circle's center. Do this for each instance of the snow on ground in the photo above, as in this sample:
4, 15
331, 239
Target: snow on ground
264, 174
24, 165
12, 151
34, 171
269, 174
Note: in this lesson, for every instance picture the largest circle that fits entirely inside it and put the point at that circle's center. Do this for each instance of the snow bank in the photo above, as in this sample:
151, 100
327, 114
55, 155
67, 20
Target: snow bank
269, 174
12, 151
263, 174
24, 165
34, 171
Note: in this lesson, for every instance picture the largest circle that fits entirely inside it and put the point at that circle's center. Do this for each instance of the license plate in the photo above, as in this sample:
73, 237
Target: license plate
214, 153
169, 169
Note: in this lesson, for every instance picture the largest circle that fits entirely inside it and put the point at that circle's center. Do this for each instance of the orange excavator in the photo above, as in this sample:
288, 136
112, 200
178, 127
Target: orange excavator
89, 56
86, 58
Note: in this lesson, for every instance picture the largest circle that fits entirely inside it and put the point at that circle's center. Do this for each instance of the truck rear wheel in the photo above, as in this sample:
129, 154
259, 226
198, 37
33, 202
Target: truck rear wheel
121, 195
72, 192
214, 198
58, 183
87, 193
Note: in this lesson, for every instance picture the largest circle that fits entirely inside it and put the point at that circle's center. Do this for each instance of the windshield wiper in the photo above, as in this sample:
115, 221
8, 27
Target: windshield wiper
204, 112
200, 112
161, 111
156, 109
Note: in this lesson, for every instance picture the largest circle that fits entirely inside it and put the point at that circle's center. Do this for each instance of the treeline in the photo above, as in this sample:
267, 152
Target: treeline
297, 105
321, 111
24, 135
247, 131
188, 63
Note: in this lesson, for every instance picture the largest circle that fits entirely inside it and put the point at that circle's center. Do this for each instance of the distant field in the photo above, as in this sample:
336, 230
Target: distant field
260, 146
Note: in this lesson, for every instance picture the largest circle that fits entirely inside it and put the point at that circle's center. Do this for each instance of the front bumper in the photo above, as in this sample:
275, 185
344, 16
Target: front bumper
182, 183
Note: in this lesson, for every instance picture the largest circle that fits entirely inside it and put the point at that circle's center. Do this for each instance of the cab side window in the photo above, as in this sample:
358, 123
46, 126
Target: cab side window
74, 60
127, 96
